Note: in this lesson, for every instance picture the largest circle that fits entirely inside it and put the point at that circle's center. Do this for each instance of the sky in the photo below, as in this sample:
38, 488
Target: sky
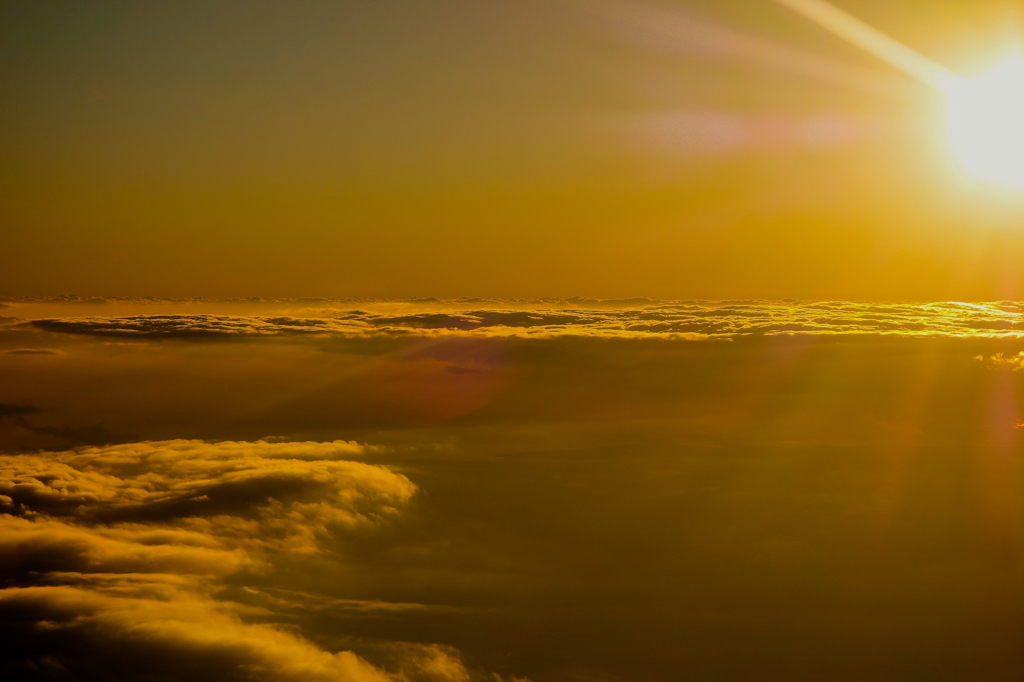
492, 341
395, 149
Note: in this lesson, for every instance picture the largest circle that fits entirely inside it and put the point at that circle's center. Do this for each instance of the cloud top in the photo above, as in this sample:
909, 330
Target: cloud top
112, 560
282, 493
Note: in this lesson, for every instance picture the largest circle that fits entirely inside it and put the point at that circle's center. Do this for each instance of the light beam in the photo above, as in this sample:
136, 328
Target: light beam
874, 42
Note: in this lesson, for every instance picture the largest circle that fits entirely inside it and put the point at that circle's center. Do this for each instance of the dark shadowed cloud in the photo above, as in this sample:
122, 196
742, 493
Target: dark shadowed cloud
96, 434
182, 326
7, 410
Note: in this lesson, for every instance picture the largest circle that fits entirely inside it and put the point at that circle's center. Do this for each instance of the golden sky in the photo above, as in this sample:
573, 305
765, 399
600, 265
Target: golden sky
674, 150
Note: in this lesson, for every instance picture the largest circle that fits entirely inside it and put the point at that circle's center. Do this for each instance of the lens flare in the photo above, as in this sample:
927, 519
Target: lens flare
985, 123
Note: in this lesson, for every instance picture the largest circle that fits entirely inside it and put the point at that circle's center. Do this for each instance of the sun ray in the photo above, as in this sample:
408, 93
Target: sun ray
873, 41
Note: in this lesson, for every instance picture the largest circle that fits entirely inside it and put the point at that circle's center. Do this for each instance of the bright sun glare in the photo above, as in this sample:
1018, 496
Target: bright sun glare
984, 115
985, 123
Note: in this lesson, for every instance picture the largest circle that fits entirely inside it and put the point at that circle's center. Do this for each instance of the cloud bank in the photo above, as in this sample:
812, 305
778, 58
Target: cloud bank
694, 320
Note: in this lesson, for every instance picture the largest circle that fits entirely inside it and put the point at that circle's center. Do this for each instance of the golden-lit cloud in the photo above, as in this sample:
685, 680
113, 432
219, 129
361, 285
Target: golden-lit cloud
1008, 362
174, 633
112, 555
683, 319
280, 493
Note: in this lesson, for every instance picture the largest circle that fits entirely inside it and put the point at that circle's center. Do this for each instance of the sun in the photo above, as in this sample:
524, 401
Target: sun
985, 123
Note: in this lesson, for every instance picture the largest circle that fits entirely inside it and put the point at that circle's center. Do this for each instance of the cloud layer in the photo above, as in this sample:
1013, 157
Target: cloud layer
576, 318
590, 509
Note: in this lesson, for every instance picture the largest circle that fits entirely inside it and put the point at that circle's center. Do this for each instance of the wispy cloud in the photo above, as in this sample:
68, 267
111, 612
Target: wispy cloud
95, 434
1010, 362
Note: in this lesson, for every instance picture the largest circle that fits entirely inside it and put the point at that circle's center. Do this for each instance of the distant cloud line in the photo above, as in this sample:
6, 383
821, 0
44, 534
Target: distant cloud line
693, 320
